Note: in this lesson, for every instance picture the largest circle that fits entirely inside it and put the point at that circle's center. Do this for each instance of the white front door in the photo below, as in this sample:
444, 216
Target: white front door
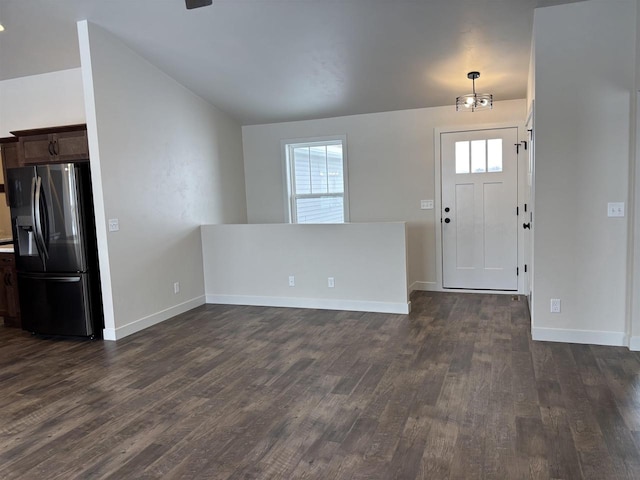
479, 209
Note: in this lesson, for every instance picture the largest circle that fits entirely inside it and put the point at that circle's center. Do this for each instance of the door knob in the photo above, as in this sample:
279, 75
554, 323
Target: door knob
526, 225
447, 220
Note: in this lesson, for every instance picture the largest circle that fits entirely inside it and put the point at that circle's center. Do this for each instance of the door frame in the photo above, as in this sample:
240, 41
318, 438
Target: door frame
437, 133
531, 156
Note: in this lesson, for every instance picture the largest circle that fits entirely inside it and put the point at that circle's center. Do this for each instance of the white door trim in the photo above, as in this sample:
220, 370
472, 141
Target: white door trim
438, 203
529, 125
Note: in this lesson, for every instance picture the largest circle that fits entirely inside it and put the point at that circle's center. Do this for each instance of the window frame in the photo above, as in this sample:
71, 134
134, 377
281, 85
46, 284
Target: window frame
289, 170
470, 157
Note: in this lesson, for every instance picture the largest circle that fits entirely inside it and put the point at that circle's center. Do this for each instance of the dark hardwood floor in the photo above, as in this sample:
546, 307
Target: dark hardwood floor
457, 389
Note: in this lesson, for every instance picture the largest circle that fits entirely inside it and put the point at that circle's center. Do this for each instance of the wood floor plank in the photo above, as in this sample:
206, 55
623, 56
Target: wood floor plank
456, 389
561, 454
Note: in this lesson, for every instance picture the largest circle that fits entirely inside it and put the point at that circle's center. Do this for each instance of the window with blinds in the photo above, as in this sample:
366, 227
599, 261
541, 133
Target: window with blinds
317, 181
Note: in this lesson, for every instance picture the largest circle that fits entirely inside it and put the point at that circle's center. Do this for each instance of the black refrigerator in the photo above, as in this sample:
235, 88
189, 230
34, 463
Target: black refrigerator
55, 247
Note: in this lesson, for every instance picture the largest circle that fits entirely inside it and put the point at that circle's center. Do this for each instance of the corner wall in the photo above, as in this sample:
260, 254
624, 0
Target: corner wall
584, 91
633, 270
391, 162
165, 162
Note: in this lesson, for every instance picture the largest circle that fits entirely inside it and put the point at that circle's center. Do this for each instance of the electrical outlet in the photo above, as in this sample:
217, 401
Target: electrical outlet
292, 281
331, 282
114, 225
176, 287
555, 305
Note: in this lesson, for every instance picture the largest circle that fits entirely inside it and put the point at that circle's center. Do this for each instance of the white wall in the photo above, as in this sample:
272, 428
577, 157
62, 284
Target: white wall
44, 100
633, 263
167, 162
391, 168
584, 90
251, 265
633, 250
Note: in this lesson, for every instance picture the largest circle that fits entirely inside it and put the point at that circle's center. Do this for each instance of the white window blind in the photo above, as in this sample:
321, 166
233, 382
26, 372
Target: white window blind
316, 172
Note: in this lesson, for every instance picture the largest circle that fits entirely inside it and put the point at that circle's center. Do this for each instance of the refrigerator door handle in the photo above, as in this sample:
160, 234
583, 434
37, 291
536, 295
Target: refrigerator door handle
37, 226
44, 228
65, 279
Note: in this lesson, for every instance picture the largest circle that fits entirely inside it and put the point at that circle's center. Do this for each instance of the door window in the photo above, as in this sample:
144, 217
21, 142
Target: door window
478, 156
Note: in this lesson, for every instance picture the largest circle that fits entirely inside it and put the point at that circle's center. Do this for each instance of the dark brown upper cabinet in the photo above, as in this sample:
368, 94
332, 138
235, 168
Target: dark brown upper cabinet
9, 155
53, 145
9, 151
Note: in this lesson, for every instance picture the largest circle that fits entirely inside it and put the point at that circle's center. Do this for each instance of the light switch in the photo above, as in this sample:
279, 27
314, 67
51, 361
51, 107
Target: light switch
114, 226
615, 209
426, 204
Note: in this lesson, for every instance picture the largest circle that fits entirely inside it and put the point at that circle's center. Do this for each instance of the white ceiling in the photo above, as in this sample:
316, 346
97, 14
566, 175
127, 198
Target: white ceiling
279, 60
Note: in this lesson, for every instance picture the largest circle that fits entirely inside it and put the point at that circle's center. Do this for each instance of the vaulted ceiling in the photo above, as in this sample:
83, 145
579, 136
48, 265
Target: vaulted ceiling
267, 61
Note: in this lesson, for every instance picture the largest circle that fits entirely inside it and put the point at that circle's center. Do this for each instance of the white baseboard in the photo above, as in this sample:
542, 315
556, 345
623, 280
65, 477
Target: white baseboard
146, 322
592, 337
319, 303
424, 287
634, 344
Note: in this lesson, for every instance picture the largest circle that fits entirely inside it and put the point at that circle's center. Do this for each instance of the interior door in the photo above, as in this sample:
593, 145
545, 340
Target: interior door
527, 223
479, 209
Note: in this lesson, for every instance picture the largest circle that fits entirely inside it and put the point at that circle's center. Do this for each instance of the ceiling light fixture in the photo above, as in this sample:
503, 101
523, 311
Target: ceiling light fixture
1, 28
191, 4
472, 102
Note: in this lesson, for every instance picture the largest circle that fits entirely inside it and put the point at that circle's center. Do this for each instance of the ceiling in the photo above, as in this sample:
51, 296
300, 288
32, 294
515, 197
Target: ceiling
265, 61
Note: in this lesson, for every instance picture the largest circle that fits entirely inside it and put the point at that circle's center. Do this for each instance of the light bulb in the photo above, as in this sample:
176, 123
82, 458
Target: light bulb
484, 102
1, 28
469, 101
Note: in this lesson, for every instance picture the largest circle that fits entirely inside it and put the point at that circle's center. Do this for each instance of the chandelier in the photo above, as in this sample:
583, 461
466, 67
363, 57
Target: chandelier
472, 102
